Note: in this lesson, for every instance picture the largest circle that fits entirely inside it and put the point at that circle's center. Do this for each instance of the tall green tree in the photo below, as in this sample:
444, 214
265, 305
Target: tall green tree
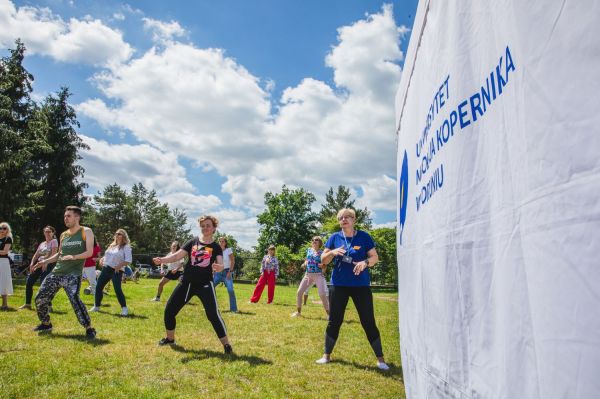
341, 198
287, 220
386, 271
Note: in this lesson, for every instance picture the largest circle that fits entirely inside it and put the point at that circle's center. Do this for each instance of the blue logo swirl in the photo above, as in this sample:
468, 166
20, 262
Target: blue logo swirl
403, 194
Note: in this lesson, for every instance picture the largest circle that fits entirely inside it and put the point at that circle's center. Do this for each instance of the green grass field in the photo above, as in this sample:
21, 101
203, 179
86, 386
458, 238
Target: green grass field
273, 354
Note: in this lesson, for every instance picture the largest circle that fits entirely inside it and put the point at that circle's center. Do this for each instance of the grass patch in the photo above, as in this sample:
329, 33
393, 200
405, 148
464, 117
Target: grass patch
273, 354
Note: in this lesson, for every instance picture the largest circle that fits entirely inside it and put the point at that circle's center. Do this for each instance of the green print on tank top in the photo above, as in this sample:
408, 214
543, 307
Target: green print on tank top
71, 245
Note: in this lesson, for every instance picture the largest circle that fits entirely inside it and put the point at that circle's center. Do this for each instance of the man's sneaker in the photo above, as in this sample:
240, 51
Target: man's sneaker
382, 366
228, 349
155, 299
94, 309
43, 327
90, 333
25, 306
124, 311
323, 360
296, 314
166, 341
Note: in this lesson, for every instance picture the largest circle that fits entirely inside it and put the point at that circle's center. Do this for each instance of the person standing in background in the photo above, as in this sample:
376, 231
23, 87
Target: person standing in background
89, 269
269, 271
116, 257
46, 249
6, 287
173, 271
226, 276
314, 275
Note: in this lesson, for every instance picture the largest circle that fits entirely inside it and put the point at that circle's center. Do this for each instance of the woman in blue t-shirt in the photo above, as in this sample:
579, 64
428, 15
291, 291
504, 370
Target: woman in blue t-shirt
352, 252
314, 275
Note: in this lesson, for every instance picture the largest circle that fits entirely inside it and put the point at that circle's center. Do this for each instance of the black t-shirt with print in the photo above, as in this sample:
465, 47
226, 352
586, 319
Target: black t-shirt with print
201, 256
3, 242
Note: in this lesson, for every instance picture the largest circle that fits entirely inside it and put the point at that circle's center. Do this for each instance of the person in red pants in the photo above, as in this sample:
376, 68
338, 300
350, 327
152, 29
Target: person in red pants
268, 273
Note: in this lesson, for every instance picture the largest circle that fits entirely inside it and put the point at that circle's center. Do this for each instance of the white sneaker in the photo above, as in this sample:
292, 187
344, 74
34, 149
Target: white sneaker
323, 360
94, 309
382, 366
155, 299
124, 311
296, 314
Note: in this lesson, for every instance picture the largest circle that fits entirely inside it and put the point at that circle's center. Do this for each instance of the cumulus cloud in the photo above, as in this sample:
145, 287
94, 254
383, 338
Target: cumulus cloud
163, 31
202, 105
87, 41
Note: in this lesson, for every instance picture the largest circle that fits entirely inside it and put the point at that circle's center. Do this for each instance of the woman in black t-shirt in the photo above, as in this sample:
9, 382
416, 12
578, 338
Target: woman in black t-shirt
204, 257
6, 287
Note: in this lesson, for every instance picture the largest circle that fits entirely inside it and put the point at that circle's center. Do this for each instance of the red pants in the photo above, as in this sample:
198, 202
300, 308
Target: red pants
266, 278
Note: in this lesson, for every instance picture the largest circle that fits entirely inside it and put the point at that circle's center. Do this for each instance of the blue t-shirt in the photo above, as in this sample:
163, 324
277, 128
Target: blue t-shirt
357, 248
313, 258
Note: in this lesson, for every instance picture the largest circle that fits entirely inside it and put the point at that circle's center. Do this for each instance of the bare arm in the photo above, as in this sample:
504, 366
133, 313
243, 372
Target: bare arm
372, 259
218, 265
35, 257
6, 249
231, 262
171, 258
329, 254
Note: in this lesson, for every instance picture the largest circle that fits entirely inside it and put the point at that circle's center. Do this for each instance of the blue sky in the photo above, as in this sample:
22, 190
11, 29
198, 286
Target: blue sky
214, 103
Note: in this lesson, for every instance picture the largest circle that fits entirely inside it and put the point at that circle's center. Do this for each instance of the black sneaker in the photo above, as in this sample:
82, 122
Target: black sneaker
90, 333
166, 341
43, 327
228, 349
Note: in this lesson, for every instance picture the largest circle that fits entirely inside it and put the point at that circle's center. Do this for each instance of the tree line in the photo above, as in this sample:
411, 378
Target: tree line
40, 175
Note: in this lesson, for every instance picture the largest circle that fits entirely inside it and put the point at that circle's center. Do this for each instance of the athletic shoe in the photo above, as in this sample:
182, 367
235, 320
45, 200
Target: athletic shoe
94, 309
25, 306
43, 327
124, 311
228, 349
155, 299
323, 360
90, 333
296, 314
166, 341
382, 366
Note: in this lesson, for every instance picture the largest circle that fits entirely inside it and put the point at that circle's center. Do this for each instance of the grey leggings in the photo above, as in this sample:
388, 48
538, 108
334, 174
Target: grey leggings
71, 284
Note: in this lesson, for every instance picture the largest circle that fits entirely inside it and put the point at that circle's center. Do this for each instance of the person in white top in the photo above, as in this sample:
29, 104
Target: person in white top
46, 249
226, 275
173, 272
117, 256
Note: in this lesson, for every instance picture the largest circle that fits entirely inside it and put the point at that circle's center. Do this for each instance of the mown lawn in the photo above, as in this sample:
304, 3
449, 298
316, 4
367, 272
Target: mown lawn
274, 354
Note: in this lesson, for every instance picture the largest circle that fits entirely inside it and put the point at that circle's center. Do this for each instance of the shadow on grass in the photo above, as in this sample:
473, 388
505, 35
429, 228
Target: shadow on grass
394, 371
75, 337
239, 312
129, 316
205, 354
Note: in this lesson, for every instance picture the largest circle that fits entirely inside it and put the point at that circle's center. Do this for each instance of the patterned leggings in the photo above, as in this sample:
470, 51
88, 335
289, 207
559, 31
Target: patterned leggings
71, 284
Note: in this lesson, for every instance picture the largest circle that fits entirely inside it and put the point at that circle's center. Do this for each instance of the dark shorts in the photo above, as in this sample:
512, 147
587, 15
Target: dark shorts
173, 276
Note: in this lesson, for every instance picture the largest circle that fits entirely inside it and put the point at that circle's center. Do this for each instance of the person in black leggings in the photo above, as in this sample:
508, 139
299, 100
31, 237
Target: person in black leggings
352, 252
205, 256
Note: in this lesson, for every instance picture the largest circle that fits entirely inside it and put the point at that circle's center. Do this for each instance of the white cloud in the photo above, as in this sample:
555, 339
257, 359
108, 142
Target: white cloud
87, 41
163, 31
203, 105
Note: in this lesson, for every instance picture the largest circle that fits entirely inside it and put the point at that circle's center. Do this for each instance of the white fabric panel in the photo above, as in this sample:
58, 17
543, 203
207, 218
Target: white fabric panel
499, 264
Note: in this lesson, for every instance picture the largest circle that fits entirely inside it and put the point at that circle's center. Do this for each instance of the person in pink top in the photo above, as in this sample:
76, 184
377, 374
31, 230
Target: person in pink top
268, 274
89, 269
46, 249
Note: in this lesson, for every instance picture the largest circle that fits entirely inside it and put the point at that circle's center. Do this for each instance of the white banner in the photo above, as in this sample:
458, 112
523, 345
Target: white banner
498, 116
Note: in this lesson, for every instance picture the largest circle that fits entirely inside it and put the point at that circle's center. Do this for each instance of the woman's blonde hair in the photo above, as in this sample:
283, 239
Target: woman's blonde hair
125, 239
8, 229
346, 211
318, 238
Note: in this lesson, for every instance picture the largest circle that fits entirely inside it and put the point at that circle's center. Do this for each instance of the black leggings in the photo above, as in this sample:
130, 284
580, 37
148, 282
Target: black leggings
363, 301
32, 278
182, 295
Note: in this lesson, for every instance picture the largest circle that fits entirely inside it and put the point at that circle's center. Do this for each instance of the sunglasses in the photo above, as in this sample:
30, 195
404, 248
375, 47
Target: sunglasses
118, 234
345, 217
316, 240
3, 228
